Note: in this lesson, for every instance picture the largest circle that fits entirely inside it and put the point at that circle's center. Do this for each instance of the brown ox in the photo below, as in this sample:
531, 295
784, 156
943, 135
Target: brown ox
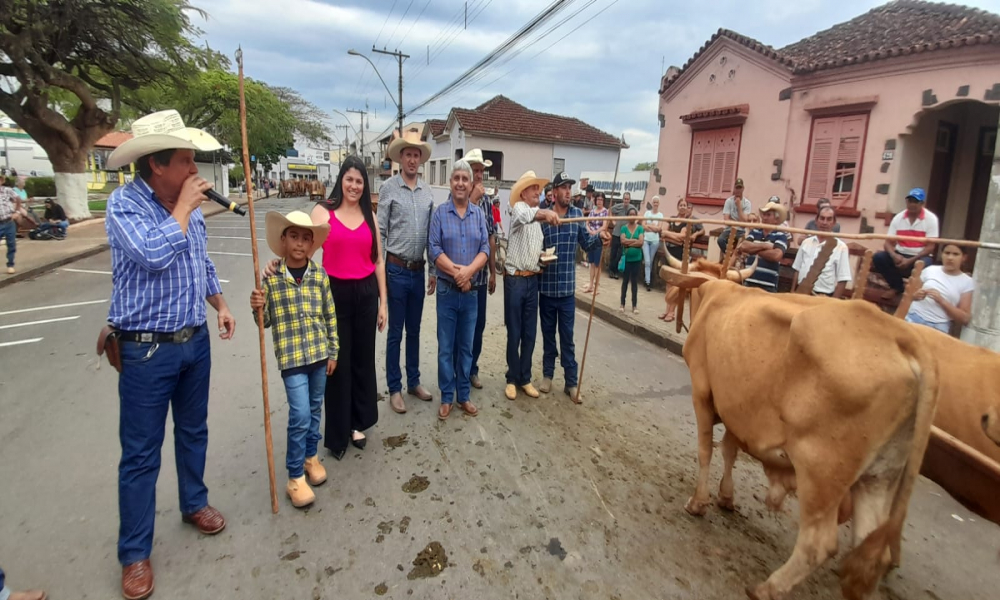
841, 431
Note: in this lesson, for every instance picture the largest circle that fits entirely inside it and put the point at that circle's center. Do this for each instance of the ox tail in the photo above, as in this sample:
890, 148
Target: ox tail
865, 565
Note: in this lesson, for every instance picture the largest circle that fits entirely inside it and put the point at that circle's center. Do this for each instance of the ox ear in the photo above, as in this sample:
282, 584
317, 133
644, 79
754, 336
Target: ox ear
688, 281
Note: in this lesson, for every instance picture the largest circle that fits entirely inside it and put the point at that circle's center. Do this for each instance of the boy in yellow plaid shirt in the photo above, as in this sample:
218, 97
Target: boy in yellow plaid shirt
298, 307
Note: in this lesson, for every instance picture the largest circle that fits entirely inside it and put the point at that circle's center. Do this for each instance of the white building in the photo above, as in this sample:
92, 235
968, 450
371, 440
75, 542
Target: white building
20, 152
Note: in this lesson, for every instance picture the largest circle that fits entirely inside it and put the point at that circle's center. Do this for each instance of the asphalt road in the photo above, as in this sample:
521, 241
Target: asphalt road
531, 499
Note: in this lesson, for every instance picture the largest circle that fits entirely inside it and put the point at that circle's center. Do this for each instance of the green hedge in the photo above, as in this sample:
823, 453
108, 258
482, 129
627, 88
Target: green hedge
40, 186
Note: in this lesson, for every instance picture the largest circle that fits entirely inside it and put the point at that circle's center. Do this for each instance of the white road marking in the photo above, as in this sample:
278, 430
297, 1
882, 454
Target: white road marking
87, 271
226, 254
53, 306
19, 342
223, 281
42, 322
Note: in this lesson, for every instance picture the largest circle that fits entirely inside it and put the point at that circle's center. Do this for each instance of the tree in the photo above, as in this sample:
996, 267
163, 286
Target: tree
65, 65
645, 166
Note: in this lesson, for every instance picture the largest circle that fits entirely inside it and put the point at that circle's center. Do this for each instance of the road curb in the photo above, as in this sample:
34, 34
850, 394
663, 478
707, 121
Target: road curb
60, 262
625, 324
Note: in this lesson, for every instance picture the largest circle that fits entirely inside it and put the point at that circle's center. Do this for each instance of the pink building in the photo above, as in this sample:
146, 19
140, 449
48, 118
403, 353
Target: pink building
906, 95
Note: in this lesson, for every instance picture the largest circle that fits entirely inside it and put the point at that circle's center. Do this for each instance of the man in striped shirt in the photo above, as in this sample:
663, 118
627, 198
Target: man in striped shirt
520, 282
162, 277
896, 261
766, 247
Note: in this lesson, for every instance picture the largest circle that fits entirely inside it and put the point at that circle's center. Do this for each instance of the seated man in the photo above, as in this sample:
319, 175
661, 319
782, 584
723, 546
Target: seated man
768, 247
832, 280
55, 222
897, 260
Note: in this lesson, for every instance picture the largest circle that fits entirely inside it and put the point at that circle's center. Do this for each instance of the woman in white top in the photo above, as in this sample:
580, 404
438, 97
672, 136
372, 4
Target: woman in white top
651, 243
946, 295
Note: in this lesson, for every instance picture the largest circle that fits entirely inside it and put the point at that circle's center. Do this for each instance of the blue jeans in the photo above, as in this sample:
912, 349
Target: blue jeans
477, 342
4, 592
520, 304
406, 305
942, 327
61, 226
456, 325
8, 231
305, 393
648, 254
156, 377
561, 312
882, 263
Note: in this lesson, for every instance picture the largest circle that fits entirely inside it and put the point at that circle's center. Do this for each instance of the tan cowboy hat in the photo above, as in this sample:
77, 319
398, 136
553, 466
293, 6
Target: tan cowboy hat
276, 223
525, 181
162, 130
411, 139
475, 156
775, 206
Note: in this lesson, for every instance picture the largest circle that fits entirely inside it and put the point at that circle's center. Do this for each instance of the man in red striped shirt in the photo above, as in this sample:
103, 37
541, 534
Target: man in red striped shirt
898, 258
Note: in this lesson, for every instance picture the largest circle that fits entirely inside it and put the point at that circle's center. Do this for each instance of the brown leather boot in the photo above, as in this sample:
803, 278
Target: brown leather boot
137, 580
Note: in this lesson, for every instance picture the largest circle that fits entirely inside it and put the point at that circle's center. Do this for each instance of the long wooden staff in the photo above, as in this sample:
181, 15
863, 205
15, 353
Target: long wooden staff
593, 298
256, 277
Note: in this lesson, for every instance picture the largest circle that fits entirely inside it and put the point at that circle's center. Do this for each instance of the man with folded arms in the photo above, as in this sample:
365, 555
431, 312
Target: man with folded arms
162, 279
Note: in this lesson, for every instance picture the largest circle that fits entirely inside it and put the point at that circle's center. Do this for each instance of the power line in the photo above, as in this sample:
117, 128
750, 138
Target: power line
357, 86
388, 41
453, 29
536, 22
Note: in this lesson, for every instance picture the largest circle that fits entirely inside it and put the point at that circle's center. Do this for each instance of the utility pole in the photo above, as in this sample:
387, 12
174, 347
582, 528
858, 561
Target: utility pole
984, 328
340, 155
400, 57
361, 130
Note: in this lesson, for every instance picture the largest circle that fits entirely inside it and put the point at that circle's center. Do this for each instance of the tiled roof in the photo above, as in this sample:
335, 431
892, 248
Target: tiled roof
436, 126
898, 28
501, 116
895, 29
113, 139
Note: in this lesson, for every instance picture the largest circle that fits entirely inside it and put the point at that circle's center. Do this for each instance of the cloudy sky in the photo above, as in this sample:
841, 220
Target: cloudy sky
601, 62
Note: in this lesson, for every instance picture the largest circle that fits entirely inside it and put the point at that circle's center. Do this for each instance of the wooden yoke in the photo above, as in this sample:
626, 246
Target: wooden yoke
806, 287
862, 280
682, 295
730, 248
912, 286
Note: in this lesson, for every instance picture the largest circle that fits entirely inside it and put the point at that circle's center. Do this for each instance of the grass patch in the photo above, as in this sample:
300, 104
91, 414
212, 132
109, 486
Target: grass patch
98, 205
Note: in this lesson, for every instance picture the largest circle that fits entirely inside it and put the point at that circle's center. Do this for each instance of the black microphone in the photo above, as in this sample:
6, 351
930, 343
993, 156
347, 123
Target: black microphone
229, 204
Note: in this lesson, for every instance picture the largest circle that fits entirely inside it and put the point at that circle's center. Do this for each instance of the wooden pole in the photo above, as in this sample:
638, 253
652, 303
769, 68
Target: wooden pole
862, 280
593, 298
256, 277
912, 286
682, 295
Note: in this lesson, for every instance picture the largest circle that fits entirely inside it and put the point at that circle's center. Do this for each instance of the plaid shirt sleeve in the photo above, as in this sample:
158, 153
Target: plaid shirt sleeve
435, 247
330, 314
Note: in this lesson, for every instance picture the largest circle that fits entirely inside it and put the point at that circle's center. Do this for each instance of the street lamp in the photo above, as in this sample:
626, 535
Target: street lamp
399, 56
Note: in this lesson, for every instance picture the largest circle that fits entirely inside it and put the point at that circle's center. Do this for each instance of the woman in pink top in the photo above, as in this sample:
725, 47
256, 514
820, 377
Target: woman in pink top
352, 258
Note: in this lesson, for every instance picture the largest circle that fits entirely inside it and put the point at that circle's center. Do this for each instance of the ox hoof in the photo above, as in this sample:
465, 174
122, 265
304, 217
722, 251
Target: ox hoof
758, 593
726, 504
696, 508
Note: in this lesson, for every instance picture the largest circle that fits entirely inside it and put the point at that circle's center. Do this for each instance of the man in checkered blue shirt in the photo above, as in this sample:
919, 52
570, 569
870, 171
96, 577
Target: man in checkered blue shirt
557, 286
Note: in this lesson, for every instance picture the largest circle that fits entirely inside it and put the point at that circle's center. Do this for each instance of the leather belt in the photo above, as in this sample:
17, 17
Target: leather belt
178, 337
524, 274
410, 265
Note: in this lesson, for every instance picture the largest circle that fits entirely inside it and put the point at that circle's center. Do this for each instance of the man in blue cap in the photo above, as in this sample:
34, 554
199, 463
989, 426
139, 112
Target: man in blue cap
897, 260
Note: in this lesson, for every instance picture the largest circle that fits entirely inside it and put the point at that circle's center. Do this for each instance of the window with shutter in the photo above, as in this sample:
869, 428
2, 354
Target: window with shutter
834, 165
714, 160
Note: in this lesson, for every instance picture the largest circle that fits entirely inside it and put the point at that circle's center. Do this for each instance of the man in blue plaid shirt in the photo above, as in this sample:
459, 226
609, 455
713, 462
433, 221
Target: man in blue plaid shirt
557, 286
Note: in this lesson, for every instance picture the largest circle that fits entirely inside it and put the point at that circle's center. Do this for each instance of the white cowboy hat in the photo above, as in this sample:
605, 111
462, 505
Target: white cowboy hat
775, 206
410, 140
162, 130
525, 181
475, 156
276, 223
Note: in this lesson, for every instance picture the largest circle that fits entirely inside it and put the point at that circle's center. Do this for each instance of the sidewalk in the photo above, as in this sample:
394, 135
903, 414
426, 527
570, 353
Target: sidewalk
645, 325
84, 239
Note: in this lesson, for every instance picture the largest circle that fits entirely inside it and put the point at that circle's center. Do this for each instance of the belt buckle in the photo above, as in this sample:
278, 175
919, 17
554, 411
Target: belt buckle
145, 337
183, 335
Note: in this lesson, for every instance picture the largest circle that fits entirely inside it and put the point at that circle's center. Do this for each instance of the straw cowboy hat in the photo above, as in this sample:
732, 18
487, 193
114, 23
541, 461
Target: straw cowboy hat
475, 156
524, 182
276, 223
162, 130
775, 205
411, 139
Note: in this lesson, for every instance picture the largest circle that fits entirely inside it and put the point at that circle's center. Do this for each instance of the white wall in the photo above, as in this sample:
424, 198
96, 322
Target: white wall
582, 158
217, 174
25, 156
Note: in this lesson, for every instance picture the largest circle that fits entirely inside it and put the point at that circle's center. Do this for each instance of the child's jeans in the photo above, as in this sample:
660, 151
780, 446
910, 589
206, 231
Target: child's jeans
305, 407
